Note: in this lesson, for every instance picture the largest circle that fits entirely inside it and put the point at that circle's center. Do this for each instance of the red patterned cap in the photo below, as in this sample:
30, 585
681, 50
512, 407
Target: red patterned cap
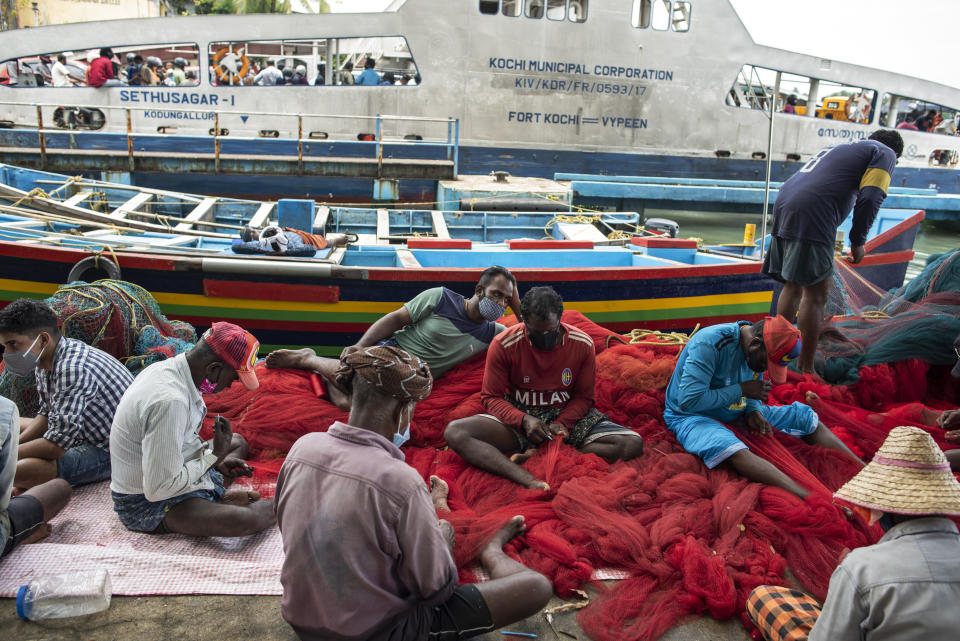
238, 349
782, 341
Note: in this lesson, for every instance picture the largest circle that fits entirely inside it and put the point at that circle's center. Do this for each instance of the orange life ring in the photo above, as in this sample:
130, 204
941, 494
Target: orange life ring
226, 75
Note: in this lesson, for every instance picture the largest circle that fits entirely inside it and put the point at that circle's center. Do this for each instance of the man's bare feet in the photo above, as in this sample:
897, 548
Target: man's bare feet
39, 534
240, 497
439, 491
289, 358
810, 396
494, 547
538, 485
521, 457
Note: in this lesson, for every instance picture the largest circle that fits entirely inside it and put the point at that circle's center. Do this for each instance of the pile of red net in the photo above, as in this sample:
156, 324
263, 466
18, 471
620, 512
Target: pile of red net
692, 540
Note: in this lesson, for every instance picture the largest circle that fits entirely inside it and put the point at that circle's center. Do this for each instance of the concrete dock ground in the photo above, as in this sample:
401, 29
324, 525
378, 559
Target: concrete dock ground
257, 618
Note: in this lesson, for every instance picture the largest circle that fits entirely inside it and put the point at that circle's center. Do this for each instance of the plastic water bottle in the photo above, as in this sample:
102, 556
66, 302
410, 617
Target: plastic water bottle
65, 595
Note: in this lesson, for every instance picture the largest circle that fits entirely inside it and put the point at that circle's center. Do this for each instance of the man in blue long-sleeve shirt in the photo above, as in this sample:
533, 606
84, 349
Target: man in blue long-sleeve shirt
810, 206
718, 380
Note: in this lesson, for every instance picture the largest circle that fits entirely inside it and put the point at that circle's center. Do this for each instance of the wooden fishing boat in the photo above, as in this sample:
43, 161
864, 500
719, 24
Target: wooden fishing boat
181, 248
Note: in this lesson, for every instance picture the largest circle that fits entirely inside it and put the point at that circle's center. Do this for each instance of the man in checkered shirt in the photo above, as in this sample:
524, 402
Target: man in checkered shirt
79, 388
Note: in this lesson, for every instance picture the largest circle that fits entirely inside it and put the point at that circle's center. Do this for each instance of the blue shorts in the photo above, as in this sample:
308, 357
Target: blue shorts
713, 441
140, 515
83, 464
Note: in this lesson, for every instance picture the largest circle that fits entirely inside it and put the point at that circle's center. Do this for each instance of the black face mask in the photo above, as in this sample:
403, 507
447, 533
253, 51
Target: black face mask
545, 341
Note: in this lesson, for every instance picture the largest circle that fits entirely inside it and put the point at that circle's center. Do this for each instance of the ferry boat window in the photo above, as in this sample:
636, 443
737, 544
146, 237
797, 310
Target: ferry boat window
912, 114
161, 65
578, 10
681, 15
512, 7
652, 13
753, 89
313, 62
944, 158
534, 8
557, 9
489, 6
660, 16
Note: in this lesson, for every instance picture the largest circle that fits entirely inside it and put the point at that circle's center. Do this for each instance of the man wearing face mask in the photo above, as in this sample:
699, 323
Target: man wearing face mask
165, 477
538, 383
79, 388
365, 557
439, 326
718, 379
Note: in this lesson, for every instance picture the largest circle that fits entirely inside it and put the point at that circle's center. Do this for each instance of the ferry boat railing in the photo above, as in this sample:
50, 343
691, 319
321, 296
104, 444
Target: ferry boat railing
451, 143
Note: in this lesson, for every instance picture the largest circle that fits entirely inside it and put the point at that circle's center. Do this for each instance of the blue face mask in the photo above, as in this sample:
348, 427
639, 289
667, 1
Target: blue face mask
490, 310
399, 438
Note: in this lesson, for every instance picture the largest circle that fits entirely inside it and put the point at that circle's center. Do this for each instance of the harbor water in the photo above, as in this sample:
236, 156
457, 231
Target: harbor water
716, 228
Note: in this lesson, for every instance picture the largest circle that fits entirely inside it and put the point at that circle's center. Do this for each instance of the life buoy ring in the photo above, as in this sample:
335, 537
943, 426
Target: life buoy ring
94, 262
857, 108
226, 74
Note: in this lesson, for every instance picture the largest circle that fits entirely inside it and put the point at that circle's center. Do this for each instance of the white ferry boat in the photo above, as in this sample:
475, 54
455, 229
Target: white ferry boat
644, 87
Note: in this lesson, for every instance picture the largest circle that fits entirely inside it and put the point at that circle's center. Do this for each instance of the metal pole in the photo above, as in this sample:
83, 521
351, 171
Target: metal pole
43, 142
456, 147
299, 144
129, 141
766, 182
379, 149
216, 142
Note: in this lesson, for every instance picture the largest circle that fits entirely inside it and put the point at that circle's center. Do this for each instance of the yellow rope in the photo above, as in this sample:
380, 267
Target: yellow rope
35, 192
663, 338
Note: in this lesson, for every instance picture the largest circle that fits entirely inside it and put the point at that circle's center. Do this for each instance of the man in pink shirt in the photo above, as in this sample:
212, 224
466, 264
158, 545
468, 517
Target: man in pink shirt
366, 557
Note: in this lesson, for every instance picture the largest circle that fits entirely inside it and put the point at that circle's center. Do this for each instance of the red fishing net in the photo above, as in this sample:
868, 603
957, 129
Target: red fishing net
692, 540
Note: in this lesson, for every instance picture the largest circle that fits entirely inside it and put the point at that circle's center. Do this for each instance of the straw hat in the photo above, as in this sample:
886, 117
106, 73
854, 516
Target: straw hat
908, 475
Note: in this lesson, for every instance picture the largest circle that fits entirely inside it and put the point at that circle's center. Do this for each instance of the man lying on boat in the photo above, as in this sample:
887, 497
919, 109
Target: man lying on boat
538, 383
365, 557
718, 380
439, 326
165, 477
79, 388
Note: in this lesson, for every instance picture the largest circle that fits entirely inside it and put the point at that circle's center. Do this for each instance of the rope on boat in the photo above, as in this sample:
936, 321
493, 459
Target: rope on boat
35, 192
662, 338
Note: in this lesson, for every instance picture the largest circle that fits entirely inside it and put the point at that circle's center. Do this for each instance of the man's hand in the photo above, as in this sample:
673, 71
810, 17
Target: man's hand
535, 430
757, 423
349, 349
231, 467
558, 429
856, 254
222, 439
756, 389
949, 420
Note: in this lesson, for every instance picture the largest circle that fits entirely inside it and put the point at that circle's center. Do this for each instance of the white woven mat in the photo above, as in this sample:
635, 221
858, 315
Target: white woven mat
88, 535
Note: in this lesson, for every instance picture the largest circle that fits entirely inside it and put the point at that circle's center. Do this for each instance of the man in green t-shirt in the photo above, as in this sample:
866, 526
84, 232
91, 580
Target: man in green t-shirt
438, 325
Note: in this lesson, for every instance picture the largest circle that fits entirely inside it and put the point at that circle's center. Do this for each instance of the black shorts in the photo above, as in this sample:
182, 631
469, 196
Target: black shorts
463, 616
798, 262
26, 515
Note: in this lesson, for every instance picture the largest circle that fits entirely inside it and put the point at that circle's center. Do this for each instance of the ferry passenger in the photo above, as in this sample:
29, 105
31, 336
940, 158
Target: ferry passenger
165, 477
388, 79
810, 206
132, 70
926, 122
365, 556
369, 76
300, 75
149, 72
23, 518
100, 72
346, 74
269, 75
905, 586
321, 75
791, 106
287, 78
538, 383
61, 73
717, 380
79, 388
439, 326
177, 72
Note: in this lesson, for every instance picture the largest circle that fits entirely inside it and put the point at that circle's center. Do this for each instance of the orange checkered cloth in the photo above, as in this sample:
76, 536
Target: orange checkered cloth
782, 614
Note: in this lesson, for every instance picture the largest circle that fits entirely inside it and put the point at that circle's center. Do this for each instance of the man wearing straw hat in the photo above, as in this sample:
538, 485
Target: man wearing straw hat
905, 587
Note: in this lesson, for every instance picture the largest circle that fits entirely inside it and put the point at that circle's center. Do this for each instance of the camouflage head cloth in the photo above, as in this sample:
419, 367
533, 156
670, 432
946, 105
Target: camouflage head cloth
390, 369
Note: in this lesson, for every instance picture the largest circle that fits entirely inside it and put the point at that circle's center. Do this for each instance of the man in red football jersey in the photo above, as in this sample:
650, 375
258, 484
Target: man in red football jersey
538, 383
